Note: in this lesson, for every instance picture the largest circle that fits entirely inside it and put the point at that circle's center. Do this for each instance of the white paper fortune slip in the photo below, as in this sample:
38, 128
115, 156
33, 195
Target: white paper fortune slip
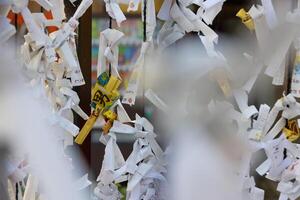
209, 10
153, 98
114, 11
270, 13
58, 10
82, 182
164, 12
169, 34
262, 30
108, 51
241, 98
31, 188
135, 77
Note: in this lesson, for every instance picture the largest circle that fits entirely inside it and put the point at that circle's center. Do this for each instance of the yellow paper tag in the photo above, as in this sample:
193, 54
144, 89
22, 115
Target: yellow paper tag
110, 115
104, 94
246, 19
107, 127
86, 129
292, 131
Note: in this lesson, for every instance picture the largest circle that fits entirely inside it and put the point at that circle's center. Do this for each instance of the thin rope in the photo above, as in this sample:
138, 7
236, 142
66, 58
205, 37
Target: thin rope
145, 21
17, 191
110, 26
144, 39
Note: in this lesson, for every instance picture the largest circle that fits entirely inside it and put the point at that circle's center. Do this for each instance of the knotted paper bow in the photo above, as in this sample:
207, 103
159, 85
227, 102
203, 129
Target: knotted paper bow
113, 160
109, 51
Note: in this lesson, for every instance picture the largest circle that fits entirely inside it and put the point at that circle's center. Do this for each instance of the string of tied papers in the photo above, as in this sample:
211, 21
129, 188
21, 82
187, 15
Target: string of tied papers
52, 62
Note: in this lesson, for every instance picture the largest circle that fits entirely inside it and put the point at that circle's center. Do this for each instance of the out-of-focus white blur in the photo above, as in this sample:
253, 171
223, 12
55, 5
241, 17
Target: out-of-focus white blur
25, 129
207, 151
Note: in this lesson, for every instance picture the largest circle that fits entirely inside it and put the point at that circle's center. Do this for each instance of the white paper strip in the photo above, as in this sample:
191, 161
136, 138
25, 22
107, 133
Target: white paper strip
153, 98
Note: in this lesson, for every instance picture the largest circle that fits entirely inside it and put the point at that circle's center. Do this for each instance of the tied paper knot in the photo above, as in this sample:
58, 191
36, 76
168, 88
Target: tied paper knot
108, 51
188, 21
109, 54
143, 166
34, 55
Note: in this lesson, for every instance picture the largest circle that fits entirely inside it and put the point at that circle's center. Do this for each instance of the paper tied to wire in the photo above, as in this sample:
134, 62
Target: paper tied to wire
275, 61
108, 51
36, 32
135, 77
113, 160
38, 58
258, 130
61, 42
276, 162
209, 10
188, 21
210, 48
68, 28
260, 24
241, 98
82, 8
107, 192
270, 13
121, 112
248, 187
67, 51
114, 11
40, 55
281, 153
72, 103
143, 163
15, 169
289, 186
251, 191
64, 43
290, 109
31, 188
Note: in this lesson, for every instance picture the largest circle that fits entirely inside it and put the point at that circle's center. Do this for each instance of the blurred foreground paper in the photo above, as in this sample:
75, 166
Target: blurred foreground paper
27, 130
